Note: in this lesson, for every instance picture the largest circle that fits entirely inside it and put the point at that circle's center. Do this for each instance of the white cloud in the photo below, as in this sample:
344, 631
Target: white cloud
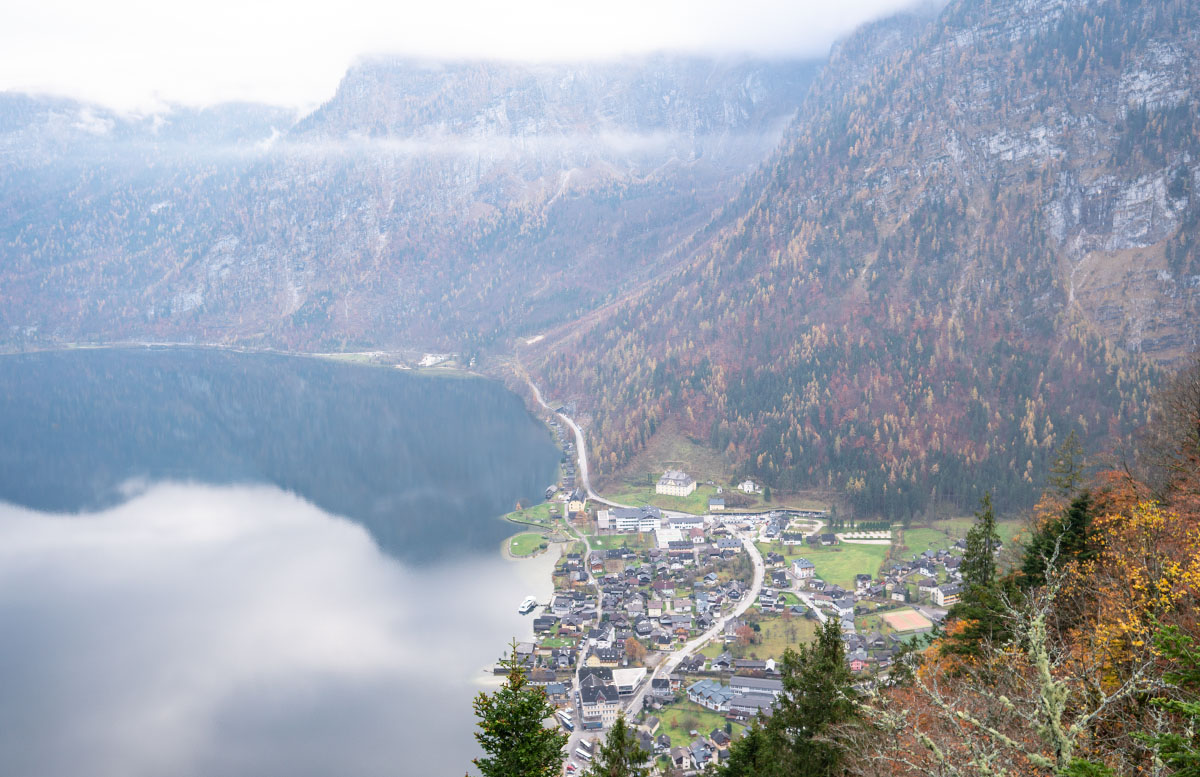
133, 54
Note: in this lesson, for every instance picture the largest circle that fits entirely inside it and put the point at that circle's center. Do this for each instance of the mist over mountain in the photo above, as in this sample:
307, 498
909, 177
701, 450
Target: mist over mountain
427, 205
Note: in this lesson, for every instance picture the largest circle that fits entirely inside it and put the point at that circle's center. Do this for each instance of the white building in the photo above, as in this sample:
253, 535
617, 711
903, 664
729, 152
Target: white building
629, 519
627, 680
685, 522
434, 359
947, 595
803, 569
675, 483
747, 486
600, 704
665, 536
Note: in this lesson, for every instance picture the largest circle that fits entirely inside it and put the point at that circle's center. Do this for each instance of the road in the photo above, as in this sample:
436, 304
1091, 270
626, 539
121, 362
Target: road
575, 736
580, 448
801, 593
672, 661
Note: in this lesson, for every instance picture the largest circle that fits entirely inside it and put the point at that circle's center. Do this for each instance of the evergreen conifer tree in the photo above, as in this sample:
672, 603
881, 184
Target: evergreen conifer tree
620, 755
1066, 470
511, 729
1063, 539
979, 612
979, 561
817, 695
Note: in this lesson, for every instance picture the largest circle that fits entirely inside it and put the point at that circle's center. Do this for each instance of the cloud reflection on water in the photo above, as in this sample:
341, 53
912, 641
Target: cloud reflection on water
199, 630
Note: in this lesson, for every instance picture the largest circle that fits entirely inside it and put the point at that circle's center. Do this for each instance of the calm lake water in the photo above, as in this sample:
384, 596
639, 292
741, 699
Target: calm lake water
221, 564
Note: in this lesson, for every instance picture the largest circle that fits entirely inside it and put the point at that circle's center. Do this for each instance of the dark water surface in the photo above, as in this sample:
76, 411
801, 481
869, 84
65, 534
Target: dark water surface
221, 564
425, 464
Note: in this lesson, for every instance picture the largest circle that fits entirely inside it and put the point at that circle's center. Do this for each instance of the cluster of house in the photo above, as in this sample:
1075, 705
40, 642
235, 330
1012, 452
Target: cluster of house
566, 444
931, 578
672, 586
740, 699
659, 595
922, 574
703, 749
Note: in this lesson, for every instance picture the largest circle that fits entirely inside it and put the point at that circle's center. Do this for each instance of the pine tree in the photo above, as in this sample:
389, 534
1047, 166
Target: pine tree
511, 729
979, 612
979, 561
817, 695
1063, 539
752, 755
1066, 471
620, 755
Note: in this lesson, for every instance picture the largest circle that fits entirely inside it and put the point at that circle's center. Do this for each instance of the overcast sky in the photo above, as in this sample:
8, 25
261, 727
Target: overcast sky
133, 54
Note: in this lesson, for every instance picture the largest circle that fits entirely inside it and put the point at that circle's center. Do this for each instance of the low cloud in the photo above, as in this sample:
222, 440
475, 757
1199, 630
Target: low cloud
138, 55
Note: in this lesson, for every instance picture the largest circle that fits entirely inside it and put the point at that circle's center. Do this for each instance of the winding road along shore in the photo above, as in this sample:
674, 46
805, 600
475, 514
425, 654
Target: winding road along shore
673, 659
580, 447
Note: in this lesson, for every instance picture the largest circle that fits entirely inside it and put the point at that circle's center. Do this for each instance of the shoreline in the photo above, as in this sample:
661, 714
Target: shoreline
342, 357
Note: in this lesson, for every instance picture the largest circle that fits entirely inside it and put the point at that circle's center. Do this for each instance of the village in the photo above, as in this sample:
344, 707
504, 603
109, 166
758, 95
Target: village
678, 619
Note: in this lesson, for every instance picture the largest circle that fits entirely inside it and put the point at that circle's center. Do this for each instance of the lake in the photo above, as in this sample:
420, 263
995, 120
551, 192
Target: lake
225, 564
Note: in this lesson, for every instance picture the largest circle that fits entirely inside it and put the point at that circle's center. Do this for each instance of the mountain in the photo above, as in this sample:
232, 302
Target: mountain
431, 205
979, 234
902, 276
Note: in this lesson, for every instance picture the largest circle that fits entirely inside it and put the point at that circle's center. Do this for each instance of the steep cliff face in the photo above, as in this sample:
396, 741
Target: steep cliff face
691, 97
980, 233
425, 205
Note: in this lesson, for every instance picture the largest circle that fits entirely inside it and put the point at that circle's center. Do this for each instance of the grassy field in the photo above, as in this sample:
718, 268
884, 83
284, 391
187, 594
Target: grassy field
938, 535
700, 719
672, 448
524, 544
543, 514
777, 634
869, 623
695, 503
838, 564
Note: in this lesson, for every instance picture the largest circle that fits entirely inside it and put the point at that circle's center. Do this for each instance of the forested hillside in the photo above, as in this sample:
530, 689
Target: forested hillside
980, 234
